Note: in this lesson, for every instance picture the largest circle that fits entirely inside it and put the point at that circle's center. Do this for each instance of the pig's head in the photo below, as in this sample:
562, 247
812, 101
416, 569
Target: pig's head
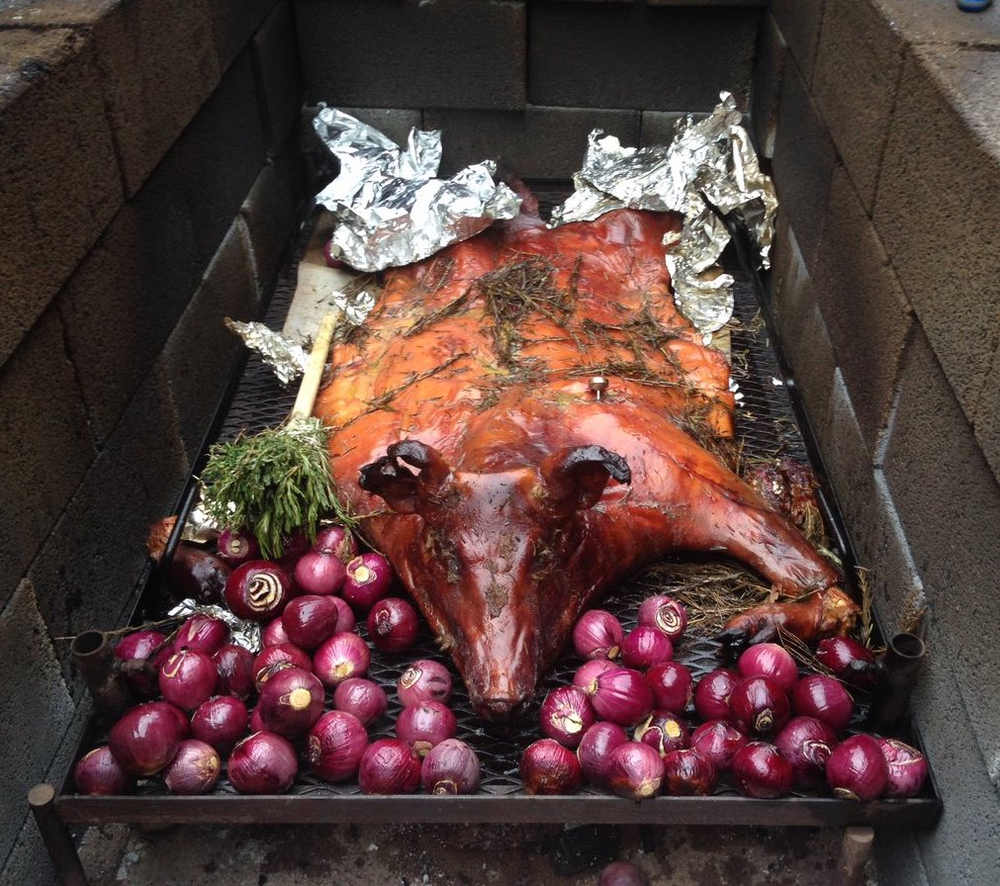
487, 563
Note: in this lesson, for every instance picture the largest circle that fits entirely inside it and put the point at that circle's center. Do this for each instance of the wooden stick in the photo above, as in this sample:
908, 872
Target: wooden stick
855, 850
314, 370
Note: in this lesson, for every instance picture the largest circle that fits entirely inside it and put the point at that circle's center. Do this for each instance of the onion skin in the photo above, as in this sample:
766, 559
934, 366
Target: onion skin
393, 625
363, 698
187, 679
621, 873
635, 771
671, 685
271, 658
565, 715
202, 633
145, 739
688, 773
291, 702
236, 546
98, 773
234, 665
595, 748
450, 767
663, 732
772, 661
220, 722
907, 768
345, 616
194, 770
343, 655
389, 766
598, 634
718, 741
320, 574
263, 763
759, 707
760, 771
310, 620
424, 725
585, 678
548, 768
424, 680
664, 614
274, 634
258, 590
807, 743
825, 699
336, 540
645, 647
623, 696
337, 741
369, 578
256, 724
711, 695
145, 651
857, 769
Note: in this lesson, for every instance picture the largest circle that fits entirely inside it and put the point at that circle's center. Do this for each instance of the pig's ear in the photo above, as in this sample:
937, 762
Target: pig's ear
575, 478
408, 475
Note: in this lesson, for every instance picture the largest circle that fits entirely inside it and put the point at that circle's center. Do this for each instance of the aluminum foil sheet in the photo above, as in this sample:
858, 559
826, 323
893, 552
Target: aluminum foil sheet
708, 171
286, 358
355, 308
390, 207
242, 633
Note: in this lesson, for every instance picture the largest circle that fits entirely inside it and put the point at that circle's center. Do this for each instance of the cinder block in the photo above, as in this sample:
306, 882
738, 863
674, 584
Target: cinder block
864, 307
59, 179
987, 420
382, 53
857, 69
28, 863
768, 73
45, 444
234, 23
938, 206
279, 86
927, 21
897, 858
533, 143
661, 58
799, 21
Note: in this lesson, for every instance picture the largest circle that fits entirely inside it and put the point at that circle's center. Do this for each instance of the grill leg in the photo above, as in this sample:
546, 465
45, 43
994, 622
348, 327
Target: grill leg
55, 835
855, 850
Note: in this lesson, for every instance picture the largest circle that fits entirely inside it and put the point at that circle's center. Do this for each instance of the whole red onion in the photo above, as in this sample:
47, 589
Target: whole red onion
806, 743
258, 590
309, 620
145, 739
194, 770
621, 873
426, 724
848, 659
711, 695
424, 680
857, 769
597, 634
687, 772
275, 658
825, 699
98, 772
671, 685
450, 767
234, 665
221, 722
338, 541
202, 633
718, 741
907, 768
622, 696
663, 731
645, 647
549, 768
565, 715
595, 748
345, 616
665, 614
760, 771
319, 573
274, 634
389, 766
263, 763
362, 698
393, 625
368, 579
772, 661
292, 547
138, 647
187, 678
290, 702
237, 546
256, 724
336, 742
343, 655
635, 770
758, 706
586, 675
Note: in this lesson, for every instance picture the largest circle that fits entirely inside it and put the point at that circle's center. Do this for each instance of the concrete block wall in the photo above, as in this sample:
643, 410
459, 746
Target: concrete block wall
882, 119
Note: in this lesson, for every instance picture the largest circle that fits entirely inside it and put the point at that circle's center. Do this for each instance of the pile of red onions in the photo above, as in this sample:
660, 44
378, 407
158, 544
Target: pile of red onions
857, 769
290, 702
622, 696
549, 768
368, 579
337, 741
663, 731
425, 724
364, 699
665, 614
759, 770
907, 768
718, 741
343, 655
597, 634
424, 680
389, 766
194, 770
645, 647
310, 620
393, 625
671, 685
320, 573
202, 633
635, 771
258, 590
565, 715
145, 739
758, 706
98, 772
687, 772
772, 661
595, 748
220, 722
806, 743
338, 541
711, 695
187, 679
263, 763
234, 665
450, 767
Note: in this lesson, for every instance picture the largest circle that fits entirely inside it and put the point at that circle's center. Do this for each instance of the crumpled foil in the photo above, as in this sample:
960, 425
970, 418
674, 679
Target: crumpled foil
708, 171
242, 633
286, 358
390, 208
355, 308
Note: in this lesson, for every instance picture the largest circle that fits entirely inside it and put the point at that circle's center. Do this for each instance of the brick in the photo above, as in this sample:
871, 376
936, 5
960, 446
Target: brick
928, 21
864, 307
768, 73
987, 419
938, 207
276, 62
45, 445
667, 58
446, 54
857, 69
234, 23
799, 21
533, 143
53, 210
35, 707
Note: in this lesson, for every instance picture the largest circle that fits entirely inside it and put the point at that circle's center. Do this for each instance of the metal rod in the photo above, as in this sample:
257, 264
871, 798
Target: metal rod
55, 835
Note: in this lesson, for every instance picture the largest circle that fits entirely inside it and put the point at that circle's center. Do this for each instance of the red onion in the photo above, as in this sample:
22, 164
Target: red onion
645, 647
635, 770
263, 763
194, 770
309, 620
671, 685
806, 743
202, 633
274, 633
345, 616
848, 659
187, 678
665, 614
711, 695
291, 701
857, 769
343, 655
237, 546
663, 732
389, 766
362, 698
594, 749
336, 742
549, 768
234, 665
98, 772
292, 547
621, 873
450, 767
426, 724
622, 696
586, 675
221, 722
597, 634
825, 699
717, 741
275, 658
393, 625
565, 715
258, 590
320, 573
256, 724
424, 680
687, 772
758, 706
772, 661
139, 647
907, 768
760, 771
145, 739
336, 540
368, 579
